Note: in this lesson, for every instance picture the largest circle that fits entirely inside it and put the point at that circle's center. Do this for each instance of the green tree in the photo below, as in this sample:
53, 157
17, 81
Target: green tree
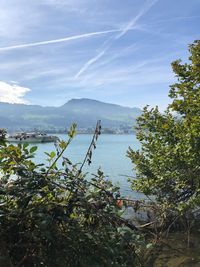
168, 163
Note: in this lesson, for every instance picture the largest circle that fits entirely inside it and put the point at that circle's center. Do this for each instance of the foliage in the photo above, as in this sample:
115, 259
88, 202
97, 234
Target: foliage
168, 163
2, 136
53, 216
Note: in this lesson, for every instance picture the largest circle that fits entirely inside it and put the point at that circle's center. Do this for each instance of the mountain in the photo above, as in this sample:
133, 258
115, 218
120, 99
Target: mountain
84, 112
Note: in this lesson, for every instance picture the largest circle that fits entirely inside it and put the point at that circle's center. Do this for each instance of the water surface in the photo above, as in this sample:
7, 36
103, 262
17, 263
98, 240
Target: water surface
110, 155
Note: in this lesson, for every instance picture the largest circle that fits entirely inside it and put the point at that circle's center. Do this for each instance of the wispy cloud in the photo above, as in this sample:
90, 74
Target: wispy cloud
120, 77
12, 93
175, 19
129, 26
102, 47
90, 62
148, 4
61, 40
131, 78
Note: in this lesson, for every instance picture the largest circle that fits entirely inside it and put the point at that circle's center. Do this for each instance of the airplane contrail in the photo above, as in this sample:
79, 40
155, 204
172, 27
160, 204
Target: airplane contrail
123, 31
66, 39
89, 62
132, 23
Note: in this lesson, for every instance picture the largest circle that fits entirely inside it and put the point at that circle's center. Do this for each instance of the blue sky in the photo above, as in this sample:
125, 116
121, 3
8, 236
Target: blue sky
110, 50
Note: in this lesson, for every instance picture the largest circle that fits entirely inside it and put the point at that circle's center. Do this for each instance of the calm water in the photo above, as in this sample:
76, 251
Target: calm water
110, 155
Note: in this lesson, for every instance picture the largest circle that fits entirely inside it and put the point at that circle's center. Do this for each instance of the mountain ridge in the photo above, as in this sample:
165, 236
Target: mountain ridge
89, 100
85, 112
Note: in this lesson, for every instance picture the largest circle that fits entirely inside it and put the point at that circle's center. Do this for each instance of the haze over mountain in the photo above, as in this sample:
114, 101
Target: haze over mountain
84, 112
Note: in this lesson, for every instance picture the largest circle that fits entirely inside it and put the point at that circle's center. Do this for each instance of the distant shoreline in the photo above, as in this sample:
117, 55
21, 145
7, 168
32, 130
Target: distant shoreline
53, 133
79, 133
93, 133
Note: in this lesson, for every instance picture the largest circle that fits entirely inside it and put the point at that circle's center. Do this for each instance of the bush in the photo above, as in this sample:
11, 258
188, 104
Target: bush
54, 216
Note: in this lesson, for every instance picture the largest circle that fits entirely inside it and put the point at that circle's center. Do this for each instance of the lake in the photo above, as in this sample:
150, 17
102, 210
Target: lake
110, 155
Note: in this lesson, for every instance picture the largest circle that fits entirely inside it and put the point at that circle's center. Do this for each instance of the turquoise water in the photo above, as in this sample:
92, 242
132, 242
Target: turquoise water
110, 155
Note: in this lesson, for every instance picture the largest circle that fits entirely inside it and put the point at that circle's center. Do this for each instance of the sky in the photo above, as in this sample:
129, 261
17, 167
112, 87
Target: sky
110, 50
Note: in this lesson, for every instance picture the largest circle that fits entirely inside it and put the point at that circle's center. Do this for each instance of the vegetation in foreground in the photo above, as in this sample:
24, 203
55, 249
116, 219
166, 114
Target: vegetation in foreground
53, 216
168, 163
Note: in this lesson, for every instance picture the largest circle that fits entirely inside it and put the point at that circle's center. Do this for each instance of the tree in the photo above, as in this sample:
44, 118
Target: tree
54, 216
168, 163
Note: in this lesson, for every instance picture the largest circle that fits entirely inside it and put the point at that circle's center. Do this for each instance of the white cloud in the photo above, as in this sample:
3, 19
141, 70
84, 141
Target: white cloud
12, 93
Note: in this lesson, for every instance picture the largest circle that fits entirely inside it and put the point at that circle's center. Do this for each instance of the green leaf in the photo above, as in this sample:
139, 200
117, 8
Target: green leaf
62, 145
149, 245
33, 149
25, 145
72, 131
52, 154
